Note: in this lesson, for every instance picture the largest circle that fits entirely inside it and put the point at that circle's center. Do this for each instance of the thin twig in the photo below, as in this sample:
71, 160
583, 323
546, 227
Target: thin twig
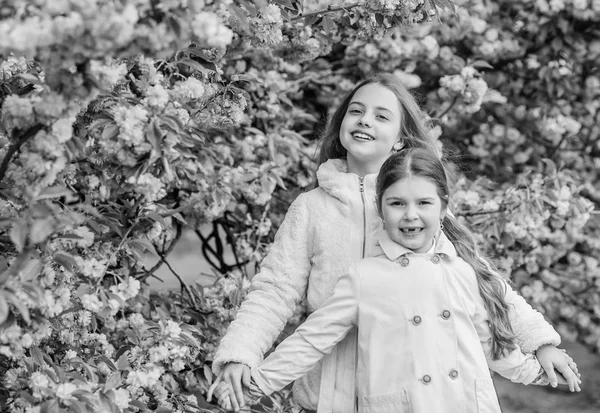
475, 213
330, 9
184, 286
553, 151
448, 108
150, 272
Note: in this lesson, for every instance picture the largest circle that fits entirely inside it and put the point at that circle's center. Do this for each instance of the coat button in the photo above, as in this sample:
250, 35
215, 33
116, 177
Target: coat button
435, 259
404, 261
416, 319
453, 374
445, 314
426, 379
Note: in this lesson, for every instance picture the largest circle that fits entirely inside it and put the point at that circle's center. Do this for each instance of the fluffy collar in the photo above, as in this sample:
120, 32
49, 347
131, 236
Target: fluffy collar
394, 251
334, 178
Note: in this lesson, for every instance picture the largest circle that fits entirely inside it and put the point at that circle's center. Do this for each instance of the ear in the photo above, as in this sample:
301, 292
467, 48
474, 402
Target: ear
398, 145
443, 213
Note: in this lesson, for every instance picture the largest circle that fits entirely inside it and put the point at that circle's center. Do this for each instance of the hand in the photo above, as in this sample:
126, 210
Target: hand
222, 393
234, 375
551, 359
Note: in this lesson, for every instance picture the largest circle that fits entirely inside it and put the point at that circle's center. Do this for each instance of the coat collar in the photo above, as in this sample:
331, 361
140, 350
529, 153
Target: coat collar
334, 178
393, 251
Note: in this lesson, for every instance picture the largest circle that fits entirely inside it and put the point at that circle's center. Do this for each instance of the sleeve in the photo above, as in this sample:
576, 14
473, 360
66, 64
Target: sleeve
531, 328
274, 292
517, 366
316, 337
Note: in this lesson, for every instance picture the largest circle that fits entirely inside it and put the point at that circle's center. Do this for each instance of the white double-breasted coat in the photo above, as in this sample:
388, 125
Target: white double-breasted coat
423, 335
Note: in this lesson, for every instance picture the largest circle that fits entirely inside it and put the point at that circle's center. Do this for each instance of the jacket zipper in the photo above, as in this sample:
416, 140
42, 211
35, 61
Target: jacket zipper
361, 188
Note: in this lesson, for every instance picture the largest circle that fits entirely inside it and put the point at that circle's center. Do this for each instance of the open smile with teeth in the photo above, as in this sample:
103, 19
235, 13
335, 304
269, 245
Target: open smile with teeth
411, 231
363, 136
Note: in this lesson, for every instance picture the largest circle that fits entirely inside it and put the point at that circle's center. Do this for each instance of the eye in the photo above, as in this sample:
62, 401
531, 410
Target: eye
383, 117
425, 202
354, 111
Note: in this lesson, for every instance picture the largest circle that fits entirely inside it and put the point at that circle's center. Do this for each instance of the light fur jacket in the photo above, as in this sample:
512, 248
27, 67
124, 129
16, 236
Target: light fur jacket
324, 231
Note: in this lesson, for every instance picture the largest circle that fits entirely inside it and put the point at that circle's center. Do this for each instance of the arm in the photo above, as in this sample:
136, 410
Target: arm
534, 334
531, 328
274, 292
316, 337
515, 365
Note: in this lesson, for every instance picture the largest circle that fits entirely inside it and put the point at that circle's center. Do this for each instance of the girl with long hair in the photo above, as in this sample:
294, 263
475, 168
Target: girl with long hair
328, 228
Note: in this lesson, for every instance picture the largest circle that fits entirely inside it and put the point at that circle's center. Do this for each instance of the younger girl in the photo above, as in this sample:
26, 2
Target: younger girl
328, 228
431, 315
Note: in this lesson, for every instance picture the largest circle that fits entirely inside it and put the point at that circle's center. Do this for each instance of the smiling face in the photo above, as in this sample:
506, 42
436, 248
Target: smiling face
412, 210
370, 128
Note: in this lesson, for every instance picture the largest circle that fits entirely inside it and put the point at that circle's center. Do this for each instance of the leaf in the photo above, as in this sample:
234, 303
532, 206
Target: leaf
30, 399
55, 192
138, 404
122, 351
156, 217
328, 24
83, 289
199, 66
19, 305
247, 77
112, 382
123, 363
207, 373
3, 308
285, 3
37, 356
110, 132
108, 362
30, 270
142, 245
481, 63
155, 135
41, 229
241, 16
18, 235
201, 400
30, 77
66, 260
51, 406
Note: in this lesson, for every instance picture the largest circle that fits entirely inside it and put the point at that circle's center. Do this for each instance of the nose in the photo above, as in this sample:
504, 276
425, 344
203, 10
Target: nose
365, 120
410, 213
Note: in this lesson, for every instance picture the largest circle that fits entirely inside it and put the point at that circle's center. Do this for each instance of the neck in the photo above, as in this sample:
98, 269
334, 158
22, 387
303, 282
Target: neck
363, 168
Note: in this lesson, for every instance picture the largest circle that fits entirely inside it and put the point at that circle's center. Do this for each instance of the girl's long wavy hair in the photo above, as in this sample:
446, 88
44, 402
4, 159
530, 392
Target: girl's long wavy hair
492, 286
413, 129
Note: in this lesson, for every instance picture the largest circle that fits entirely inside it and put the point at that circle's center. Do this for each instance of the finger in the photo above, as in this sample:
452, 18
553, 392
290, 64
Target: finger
574, 367
565, 370
213, 387
233, 398
570, 377
549, 369
246, 377
224, 401
222, 391
238, 393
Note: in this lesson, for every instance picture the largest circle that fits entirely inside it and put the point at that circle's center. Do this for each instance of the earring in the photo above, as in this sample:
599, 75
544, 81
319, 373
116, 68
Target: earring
383, 222
398, 146
441, 225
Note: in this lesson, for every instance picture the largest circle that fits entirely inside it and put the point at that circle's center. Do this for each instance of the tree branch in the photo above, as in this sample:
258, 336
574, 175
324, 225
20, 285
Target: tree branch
330, 9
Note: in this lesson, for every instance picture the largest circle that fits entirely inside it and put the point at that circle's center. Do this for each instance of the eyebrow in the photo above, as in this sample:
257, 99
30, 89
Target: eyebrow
378, 107
430, 198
